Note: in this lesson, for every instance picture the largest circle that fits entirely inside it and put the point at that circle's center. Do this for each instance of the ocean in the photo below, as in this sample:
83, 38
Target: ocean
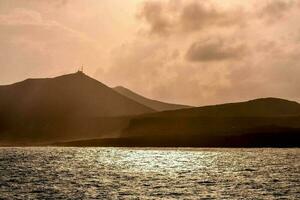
149, 173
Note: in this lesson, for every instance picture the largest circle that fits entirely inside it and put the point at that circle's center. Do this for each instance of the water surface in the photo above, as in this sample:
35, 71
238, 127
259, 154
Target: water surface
149, 173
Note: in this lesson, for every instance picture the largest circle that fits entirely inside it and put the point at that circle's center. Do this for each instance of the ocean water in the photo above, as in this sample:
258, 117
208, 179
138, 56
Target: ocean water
149, 173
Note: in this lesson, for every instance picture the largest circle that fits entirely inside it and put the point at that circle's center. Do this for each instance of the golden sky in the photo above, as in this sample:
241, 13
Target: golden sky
184, 51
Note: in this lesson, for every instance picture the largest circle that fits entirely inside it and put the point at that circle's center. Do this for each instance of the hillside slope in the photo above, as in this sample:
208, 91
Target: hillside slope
72, 95
72, 106
262, 107
154, 104
260, 122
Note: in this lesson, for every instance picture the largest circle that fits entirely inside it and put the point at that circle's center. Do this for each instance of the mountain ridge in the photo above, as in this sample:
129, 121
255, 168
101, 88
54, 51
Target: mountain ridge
154, 104
260, 106
77, 107
256, 123
75, 94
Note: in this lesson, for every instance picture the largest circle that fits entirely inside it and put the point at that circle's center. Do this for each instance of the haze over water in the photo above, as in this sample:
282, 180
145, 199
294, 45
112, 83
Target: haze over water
149, 173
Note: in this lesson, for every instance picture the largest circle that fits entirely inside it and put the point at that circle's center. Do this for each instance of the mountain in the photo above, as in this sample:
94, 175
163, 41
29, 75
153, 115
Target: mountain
72, 95
76, 110
262, 107
71, 106
260, 122
267, 122
154, 104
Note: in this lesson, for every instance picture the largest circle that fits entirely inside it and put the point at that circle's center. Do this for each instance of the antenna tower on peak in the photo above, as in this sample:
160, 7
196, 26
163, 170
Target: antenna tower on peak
80, 69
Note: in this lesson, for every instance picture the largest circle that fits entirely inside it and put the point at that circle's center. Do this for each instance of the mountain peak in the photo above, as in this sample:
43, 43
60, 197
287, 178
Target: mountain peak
76, 74
266, 99
271, 100
70, 95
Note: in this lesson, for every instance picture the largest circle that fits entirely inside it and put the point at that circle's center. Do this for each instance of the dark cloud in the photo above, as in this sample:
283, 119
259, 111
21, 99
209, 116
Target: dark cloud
197, 16
274, 10
227, 53
154, 14
214, 50
164, 18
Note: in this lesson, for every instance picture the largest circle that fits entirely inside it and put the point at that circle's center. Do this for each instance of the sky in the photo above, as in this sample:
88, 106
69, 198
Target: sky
192, 52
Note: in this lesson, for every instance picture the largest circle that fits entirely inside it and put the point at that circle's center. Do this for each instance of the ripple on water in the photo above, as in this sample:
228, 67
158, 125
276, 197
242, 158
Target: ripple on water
149, 173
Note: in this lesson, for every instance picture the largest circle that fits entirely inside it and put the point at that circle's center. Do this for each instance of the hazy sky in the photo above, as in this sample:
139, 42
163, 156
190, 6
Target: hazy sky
195, 52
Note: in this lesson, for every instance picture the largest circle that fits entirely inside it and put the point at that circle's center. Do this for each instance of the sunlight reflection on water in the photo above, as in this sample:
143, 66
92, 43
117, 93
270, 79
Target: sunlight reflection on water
149, 173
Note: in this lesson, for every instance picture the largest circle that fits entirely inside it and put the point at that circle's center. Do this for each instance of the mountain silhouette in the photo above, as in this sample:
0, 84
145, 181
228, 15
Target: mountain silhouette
76, 110
72, 95
154, 104
262, 107
72, 106
260, 122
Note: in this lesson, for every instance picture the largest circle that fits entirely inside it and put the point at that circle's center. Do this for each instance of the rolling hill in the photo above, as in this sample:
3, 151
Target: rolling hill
259, 122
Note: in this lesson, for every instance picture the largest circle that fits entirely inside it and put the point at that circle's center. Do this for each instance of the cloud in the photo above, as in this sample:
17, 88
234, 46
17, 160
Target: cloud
55, 3
21, 16
158, 70
154, 13
24, 22
198, 16
31, 44
222, 53
214, 50
165, 18
274, 10
272, 76
183, 51
139, 61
